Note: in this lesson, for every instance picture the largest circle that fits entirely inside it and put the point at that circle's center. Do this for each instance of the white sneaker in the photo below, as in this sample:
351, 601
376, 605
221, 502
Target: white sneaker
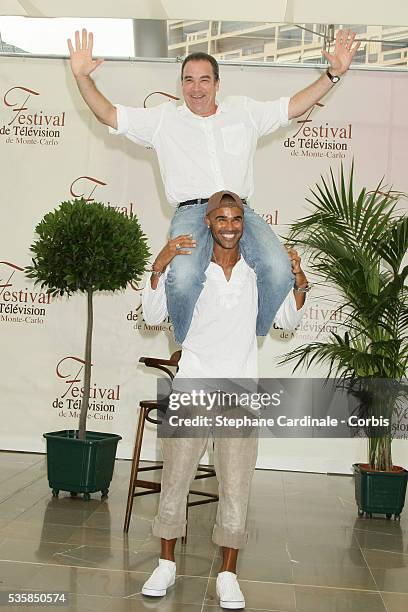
228, 591
163, 577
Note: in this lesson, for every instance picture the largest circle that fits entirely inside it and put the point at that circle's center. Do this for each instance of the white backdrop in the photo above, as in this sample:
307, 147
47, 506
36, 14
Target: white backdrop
52, 149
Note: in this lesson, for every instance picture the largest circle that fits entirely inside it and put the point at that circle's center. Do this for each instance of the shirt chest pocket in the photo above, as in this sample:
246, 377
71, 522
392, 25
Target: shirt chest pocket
234, 139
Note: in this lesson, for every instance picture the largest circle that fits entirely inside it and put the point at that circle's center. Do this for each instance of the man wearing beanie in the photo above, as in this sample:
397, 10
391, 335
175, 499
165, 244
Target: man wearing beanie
221, 342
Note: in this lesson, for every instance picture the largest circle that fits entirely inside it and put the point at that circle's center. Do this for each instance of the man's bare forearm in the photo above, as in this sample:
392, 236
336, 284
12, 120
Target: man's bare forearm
300, 299
103, 110
306, 98
339, 61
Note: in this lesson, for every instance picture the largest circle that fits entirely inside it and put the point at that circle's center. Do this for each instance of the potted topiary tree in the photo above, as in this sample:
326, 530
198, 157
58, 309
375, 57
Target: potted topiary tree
356, 246
85, 247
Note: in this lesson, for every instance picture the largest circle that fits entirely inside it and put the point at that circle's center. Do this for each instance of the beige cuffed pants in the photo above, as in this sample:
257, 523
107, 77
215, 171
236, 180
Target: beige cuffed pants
234, 462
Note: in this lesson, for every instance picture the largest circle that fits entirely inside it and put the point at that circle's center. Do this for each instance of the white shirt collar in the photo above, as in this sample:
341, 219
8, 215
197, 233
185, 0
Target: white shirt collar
221, 108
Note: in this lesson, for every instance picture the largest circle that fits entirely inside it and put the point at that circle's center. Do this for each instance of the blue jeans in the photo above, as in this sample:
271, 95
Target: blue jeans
260, 248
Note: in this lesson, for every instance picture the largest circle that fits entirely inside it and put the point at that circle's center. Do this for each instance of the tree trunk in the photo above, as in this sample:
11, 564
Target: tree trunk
88, 366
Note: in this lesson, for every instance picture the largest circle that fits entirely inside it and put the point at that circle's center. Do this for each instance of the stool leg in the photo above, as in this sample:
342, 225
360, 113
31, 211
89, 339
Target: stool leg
135, 467
184, 537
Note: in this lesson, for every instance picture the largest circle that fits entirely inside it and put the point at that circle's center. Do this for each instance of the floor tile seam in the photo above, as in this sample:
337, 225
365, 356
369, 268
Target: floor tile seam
383, 603
57, 524
22, 489
13, 519
98, 569
336, 588
76, 544
98, 546
28, 540
82, 567
372, 576
296, 599
208, 581
312, 586
292, 568
295, 563
78, 526
29, 467
86, 524
285, 522
284, 496
95, 567
388, 552
391, 535
9, 496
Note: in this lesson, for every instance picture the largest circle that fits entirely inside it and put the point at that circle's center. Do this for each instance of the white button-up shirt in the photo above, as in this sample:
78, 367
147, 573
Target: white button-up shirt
201, 155
221, 341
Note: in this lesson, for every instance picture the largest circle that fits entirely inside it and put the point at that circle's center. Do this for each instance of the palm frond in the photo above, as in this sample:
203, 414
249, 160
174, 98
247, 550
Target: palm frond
357, 245
394, 249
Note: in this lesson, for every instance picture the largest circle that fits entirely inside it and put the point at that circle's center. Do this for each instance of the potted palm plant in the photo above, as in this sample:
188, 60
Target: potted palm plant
356, 245
85, 247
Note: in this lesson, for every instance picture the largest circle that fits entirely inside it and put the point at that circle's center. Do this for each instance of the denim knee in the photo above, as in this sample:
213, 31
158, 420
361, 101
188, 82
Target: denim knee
182, 276
279, 275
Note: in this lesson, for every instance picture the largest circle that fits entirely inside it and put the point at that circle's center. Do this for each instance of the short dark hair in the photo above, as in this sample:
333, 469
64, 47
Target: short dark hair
200, 56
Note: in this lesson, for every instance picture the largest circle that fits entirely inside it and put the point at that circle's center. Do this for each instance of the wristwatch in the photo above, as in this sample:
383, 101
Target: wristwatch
332, 77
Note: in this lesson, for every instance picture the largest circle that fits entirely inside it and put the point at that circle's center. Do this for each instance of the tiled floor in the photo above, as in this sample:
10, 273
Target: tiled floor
308, 551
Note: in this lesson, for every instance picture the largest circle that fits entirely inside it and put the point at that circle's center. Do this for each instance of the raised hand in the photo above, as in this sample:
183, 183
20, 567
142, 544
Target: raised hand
295, 260
82, 63
180, 245
343, 53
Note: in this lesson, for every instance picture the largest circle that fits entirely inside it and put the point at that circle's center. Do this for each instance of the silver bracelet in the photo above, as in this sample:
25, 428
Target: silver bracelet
303, 289
156, 272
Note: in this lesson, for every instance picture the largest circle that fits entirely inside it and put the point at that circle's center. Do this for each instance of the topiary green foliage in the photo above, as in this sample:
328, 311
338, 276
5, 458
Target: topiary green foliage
87, 247
83, 246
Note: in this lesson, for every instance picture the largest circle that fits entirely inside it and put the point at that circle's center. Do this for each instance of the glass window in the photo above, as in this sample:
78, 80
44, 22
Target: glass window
247, 40
307, 37
113, 37
236, 26
299, 45
393, 56
389, 45
289, 37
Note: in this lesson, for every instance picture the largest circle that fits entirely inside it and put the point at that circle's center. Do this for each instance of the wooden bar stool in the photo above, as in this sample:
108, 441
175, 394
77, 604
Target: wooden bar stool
146, 407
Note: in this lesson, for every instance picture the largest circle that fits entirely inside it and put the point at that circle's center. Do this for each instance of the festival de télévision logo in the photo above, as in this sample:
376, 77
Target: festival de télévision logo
27, 121
18, 303
314, 139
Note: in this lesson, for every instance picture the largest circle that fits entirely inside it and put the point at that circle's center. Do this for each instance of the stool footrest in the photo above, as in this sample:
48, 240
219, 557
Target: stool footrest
213, 496
140, 493
147, 484
201, 502
150, 467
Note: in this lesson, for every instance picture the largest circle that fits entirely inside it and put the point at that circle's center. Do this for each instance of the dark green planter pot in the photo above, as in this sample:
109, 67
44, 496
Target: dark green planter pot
80, 466
379, 492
